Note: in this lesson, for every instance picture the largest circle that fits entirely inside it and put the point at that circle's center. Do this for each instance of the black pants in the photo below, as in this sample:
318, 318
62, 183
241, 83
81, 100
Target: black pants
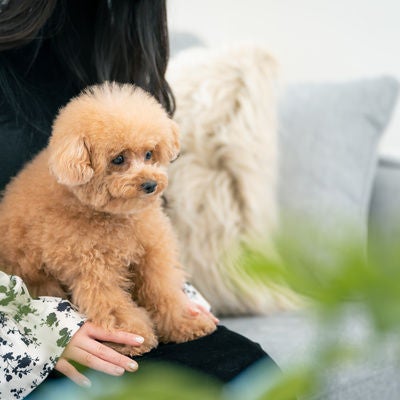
223, 355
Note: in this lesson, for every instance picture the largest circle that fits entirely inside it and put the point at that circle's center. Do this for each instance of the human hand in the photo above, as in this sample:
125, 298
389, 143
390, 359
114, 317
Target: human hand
86, 349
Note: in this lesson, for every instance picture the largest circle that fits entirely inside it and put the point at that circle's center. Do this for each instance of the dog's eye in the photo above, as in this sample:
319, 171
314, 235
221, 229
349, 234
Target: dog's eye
148, 155
118, 160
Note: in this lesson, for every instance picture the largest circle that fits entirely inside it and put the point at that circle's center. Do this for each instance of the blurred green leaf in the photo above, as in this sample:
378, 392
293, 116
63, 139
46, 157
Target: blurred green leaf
292, 385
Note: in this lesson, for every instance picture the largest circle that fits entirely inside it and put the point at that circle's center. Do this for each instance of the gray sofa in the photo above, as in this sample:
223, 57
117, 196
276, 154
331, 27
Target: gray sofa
292, 337
329, 135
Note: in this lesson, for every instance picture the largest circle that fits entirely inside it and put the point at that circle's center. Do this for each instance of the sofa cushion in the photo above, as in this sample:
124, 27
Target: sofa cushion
328, 139
328, 148
222, 188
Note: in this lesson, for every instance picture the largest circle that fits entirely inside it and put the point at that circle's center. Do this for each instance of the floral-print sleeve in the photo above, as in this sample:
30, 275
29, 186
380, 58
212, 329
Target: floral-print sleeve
195, 296
33, 334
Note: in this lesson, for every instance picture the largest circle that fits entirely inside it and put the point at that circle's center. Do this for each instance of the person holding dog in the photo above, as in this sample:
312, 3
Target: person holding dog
49, 51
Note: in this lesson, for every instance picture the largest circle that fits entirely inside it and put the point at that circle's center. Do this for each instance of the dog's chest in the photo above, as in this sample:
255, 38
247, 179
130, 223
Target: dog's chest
119, 241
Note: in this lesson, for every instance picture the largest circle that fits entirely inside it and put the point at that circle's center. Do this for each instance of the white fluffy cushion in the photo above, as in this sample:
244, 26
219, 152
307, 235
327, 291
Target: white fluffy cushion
222, 190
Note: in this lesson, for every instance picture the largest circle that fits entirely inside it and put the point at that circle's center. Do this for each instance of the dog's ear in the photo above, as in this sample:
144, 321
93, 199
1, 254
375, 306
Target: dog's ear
69, 160
168, 147
173, 146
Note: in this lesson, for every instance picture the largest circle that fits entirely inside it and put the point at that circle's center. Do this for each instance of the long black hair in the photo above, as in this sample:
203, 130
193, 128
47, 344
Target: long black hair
94, 40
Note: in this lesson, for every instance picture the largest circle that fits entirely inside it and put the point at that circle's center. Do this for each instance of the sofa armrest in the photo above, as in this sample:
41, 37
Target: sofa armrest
384, 211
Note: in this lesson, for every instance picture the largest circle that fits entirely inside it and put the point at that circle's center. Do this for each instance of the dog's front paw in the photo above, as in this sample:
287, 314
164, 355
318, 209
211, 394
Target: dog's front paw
181, 325
138, 322
188, 328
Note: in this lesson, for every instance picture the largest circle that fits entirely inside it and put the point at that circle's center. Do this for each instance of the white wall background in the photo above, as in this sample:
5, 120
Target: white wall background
313, 40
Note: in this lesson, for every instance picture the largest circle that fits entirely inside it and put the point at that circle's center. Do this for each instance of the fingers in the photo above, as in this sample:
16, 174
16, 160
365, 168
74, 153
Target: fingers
72, 373
92, 361
86, 349
119, 337
103, 358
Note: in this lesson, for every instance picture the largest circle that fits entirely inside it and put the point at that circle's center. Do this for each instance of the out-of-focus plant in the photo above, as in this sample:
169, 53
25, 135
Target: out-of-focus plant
331, 274
154, 381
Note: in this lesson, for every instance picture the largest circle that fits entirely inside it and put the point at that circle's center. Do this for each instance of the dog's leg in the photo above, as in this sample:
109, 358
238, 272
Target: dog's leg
100, 290
160, 288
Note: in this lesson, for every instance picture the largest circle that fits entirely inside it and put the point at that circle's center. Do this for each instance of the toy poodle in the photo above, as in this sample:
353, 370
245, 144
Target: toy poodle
84, 219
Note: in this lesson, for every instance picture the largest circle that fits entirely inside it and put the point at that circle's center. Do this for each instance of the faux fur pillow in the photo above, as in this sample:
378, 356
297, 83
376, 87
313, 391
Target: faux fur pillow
222, 190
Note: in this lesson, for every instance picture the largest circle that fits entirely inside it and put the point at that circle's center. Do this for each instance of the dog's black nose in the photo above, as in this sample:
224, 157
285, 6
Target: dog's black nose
149, 186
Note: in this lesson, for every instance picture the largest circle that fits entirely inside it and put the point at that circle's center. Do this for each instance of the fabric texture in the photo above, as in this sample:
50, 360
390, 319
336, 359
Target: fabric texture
222, 188
33, 334
328, 139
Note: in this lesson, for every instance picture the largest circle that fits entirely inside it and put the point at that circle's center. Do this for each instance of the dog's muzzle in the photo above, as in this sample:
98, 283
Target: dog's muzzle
148, 186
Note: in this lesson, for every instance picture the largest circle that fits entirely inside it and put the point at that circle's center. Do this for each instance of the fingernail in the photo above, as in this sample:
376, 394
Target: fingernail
133, 366
119, 370
139, 339
86, 383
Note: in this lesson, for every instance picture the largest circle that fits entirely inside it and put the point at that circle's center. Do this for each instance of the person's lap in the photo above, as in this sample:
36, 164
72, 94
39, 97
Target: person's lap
223, 356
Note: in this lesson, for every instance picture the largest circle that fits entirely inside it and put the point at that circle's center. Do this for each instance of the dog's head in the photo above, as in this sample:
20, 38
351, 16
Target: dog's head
110, 146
